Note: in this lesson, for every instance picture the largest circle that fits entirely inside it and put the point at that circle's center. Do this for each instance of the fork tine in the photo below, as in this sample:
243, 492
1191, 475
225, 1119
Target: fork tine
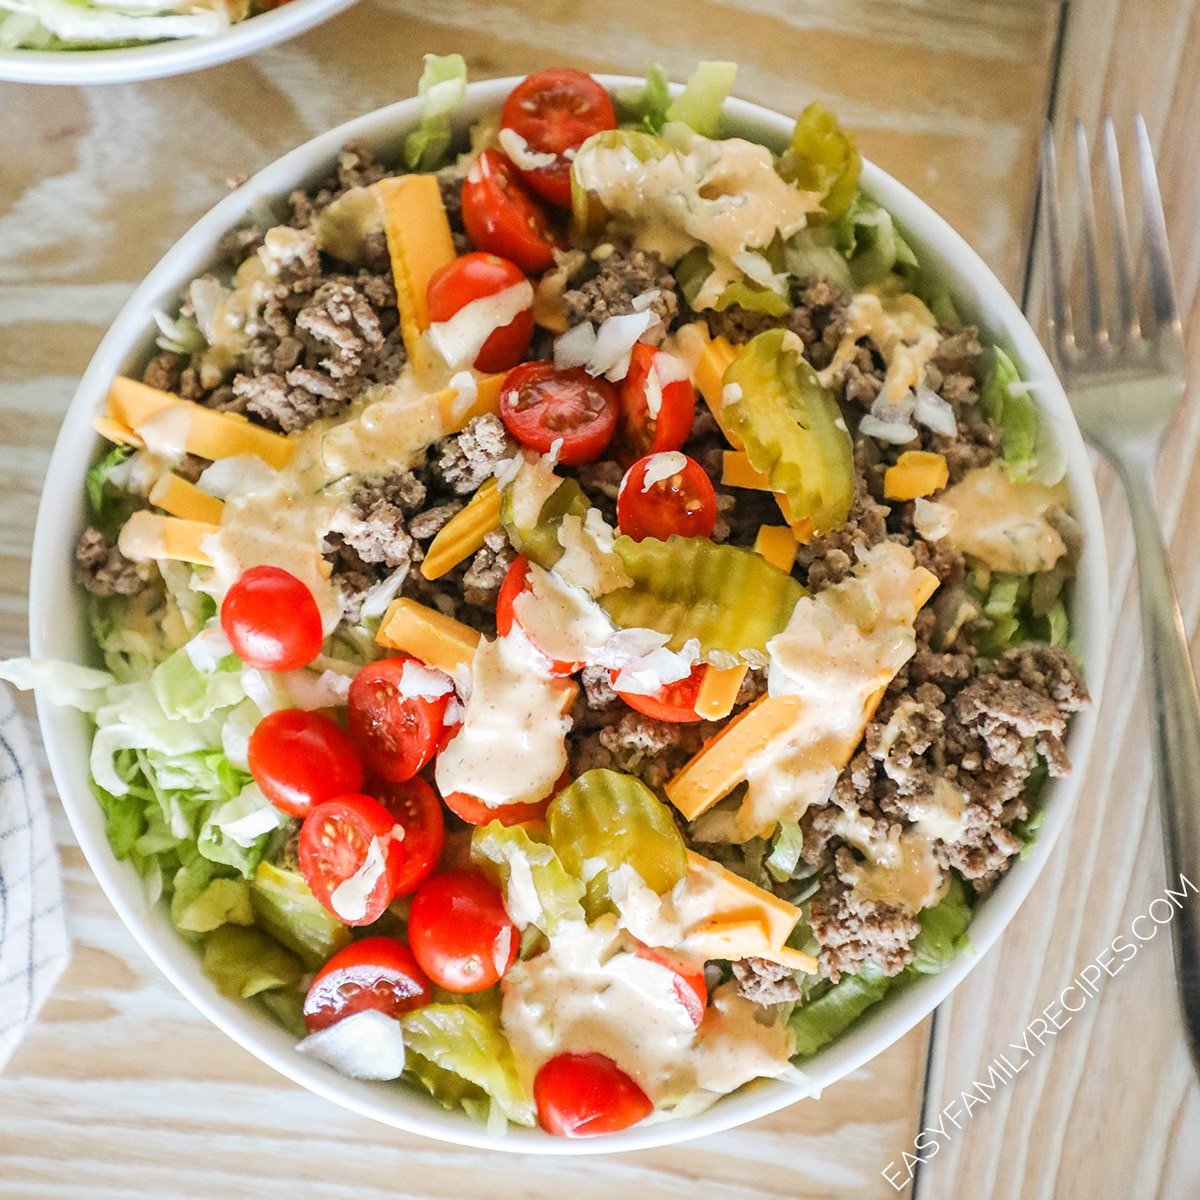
1158, 262
1119, 226
1061, 326
1097, 330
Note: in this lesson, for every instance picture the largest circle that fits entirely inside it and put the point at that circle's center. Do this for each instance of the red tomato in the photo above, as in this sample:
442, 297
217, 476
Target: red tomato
472, 277
674, 702
302, 758
271, 620
502, 217
690, 986
473, 810
683, 503
556, 111
542, 405
583, 1095
460, 931
377, 973
638, 433
396, 734
416, 809
516, 582
335, 840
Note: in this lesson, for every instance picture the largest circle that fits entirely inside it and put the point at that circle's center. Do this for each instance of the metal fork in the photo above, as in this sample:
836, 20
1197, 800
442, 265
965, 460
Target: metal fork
1125, 378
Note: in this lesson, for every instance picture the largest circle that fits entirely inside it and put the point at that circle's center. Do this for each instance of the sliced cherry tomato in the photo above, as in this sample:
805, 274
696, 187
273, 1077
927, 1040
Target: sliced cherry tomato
542, 405
301, 758
396, 733
473, 810
416, 809
460, 931
584, 1095
376, 974
674, 400
555, 111
337, 840
271, 620
690, 985
474, 277
675, 702
683, 502
516, 582
500, 216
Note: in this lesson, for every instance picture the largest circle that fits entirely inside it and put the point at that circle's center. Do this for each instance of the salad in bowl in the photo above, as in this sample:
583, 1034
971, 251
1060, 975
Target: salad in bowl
580, 618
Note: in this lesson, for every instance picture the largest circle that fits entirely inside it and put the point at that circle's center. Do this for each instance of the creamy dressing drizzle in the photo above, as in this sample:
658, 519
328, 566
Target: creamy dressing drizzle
589, 993
459, 340
166, 432
1002, 523
512, 744
903, 329
838, 650
723, 194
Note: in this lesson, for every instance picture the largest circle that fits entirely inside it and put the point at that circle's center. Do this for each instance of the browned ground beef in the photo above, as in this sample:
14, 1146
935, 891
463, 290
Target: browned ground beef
468, 458
621, 276
766, 982
102, 569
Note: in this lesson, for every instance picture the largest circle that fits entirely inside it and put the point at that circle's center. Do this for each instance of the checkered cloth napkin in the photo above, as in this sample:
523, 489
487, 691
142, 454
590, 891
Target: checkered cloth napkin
33, 929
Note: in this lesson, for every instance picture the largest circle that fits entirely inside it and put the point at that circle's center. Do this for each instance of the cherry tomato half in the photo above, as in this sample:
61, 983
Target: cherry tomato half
377, 973
271, 620
690, 985
415, 809
584, 1095
301, 758
460, 931
335, 841
396, 733
516, 582
542, 405
473, 810
500, 216
556, 111
675, 702
670, 392
683, 502
473, 277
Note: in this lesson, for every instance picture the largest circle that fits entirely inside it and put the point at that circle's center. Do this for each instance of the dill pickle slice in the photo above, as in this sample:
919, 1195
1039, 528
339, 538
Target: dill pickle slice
792, 429
539, 541
609, 818
728, 598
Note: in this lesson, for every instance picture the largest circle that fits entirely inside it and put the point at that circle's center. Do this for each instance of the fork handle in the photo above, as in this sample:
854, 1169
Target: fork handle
1176, 712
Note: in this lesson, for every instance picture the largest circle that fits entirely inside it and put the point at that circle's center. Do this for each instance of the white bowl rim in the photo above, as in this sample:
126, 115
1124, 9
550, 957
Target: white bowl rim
154, 60
65, 733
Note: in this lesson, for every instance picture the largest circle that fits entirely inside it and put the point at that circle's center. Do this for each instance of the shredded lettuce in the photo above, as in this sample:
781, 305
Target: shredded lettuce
785, 853
467, 1042
63, 24
59, 682
646, 107
538, 890
872, 245
814, 251
442, 87
699, 104
1006, 402
943, 936
107, 505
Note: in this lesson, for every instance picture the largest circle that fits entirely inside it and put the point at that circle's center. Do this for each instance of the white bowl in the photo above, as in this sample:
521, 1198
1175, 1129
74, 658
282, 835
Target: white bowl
58, 629
177, 57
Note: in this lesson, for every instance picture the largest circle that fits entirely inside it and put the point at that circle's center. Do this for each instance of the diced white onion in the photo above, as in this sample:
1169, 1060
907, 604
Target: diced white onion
615, 340
364, 1045
886, 431
379, 595
419, 682
575, 347
643, 300
934, 413
731, 393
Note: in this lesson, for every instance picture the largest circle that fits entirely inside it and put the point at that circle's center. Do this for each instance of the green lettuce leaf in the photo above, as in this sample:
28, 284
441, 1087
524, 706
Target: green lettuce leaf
108, 506
442, 87
872, 245
699, 104
646, 107
1005, 401
943, 933
537, 887
818, 1022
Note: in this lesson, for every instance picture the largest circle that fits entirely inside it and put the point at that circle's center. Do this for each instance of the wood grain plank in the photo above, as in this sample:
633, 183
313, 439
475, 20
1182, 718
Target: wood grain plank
121, 1084
1051, 1133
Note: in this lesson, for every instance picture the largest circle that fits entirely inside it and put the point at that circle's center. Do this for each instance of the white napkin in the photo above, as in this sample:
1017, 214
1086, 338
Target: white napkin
34, 945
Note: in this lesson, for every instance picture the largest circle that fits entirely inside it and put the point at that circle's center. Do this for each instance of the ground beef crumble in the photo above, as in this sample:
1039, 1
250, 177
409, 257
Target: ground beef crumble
102, 569
623, 275
766, 982
472, 456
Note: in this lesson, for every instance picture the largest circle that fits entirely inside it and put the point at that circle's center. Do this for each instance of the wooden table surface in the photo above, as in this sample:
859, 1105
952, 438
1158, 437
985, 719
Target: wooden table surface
121, 1090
